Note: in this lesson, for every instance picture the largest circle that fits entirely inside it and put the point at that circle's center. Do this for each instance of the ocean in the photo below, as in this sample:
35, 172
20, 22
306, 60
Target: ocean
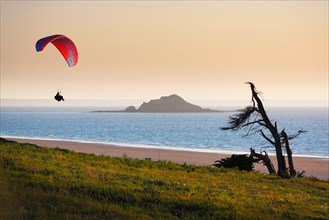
183, 131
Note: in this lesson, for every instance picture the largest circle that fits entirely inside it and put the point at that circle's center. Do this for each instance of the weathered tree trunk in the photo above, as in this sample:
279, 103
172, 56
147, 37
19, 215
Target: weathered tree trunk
256, 115
266, 160
292, 170
282, 170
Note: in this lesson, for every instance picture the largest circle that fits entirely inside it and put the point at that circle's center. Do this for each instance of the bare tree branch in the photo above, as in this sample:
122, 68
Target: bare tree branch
268, 139
251, 127
290, 137
265, 158
251, 123
262, 124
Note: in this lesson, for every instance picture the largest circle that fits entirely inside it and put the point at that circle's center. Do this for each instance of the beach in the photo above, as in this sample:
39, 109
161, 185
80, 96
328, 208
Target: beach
313, 166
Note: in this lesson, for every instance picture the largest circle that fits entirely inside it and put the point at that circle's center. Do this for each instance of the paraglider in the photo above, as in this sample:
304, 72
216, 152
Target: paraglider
59, 97
65, 46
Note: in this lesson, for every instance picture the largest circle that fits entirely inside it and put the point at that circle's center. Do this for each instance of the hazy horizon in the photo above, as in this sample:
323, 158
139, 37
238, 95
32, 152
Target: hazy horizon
138, 102
141, 50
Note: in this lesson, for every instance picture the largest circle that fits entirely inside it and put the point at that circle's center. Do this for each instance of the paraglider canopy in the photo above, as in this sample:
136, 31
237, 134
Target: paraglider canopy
65, 46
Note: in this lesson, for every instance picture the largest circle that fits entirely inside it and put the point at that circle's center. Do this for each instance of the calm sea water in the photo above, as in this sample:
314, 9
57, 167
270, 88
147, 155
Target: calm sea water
191, 131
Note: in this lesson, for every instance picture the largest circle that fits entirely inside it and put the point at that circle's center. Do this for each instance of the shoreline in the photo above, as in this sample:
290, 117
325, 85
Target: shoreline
156, 147
313, 166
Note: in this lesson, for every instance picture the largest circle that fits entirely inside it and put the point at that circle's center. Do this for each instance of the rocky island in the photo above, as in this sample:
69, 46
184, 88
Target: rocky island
171, 104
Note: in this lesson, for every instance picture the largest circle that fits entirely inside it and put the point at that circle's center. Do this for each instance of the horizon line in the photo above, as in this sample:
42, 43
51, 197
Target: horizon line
46, 102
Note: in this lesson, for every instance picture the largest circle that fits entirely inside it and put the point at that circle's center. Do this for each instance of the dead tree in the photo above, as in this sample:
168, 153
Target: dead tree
256, 115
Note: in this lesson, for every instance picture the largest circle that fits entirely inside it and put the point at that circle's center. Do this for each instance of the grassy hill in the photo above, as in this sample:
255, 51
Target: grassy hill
42, 183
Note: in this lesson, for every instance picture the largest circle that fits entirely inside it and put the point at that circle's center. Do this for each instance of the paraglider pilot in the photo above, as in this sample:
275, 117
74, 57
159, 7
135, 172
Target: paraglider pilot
59, 97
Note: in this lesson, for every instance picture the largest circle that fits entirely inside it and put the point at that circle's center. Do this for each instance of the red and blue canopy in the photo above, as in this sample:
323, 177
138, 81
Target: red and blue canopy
64, 44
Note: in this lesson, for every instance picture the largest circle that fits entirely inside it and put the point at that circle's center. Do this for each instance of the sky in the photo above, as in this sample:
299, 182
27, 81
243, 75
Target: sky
203, 51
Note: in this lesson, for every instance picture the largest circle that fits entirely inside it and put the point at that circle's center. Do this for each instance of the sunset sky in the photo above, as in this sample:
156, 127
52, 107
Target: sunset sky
141, 50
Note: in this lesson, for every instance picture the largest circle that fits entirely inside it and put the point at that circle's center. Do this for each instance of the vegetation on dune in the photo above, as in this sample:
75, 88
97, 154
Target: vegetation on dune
42, 183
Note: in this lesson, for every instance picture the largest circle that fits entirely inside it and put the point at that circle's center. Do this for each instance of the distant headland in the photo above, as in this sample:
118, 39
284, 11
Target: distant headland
166, 104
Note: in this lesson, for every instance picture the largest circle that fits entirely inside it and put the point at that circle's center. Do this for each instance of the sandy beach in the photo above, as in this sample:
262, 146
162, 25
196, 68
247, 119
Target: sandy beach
317, 167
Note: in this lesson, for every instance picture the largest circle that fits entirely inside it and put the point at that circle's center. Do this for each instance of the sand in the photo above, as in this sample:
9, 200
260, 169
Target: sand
316, 167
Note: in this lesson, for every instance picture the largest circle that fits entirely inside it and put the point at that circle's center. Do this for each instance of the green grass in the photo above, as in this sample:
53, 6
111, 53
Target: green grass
42, 183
